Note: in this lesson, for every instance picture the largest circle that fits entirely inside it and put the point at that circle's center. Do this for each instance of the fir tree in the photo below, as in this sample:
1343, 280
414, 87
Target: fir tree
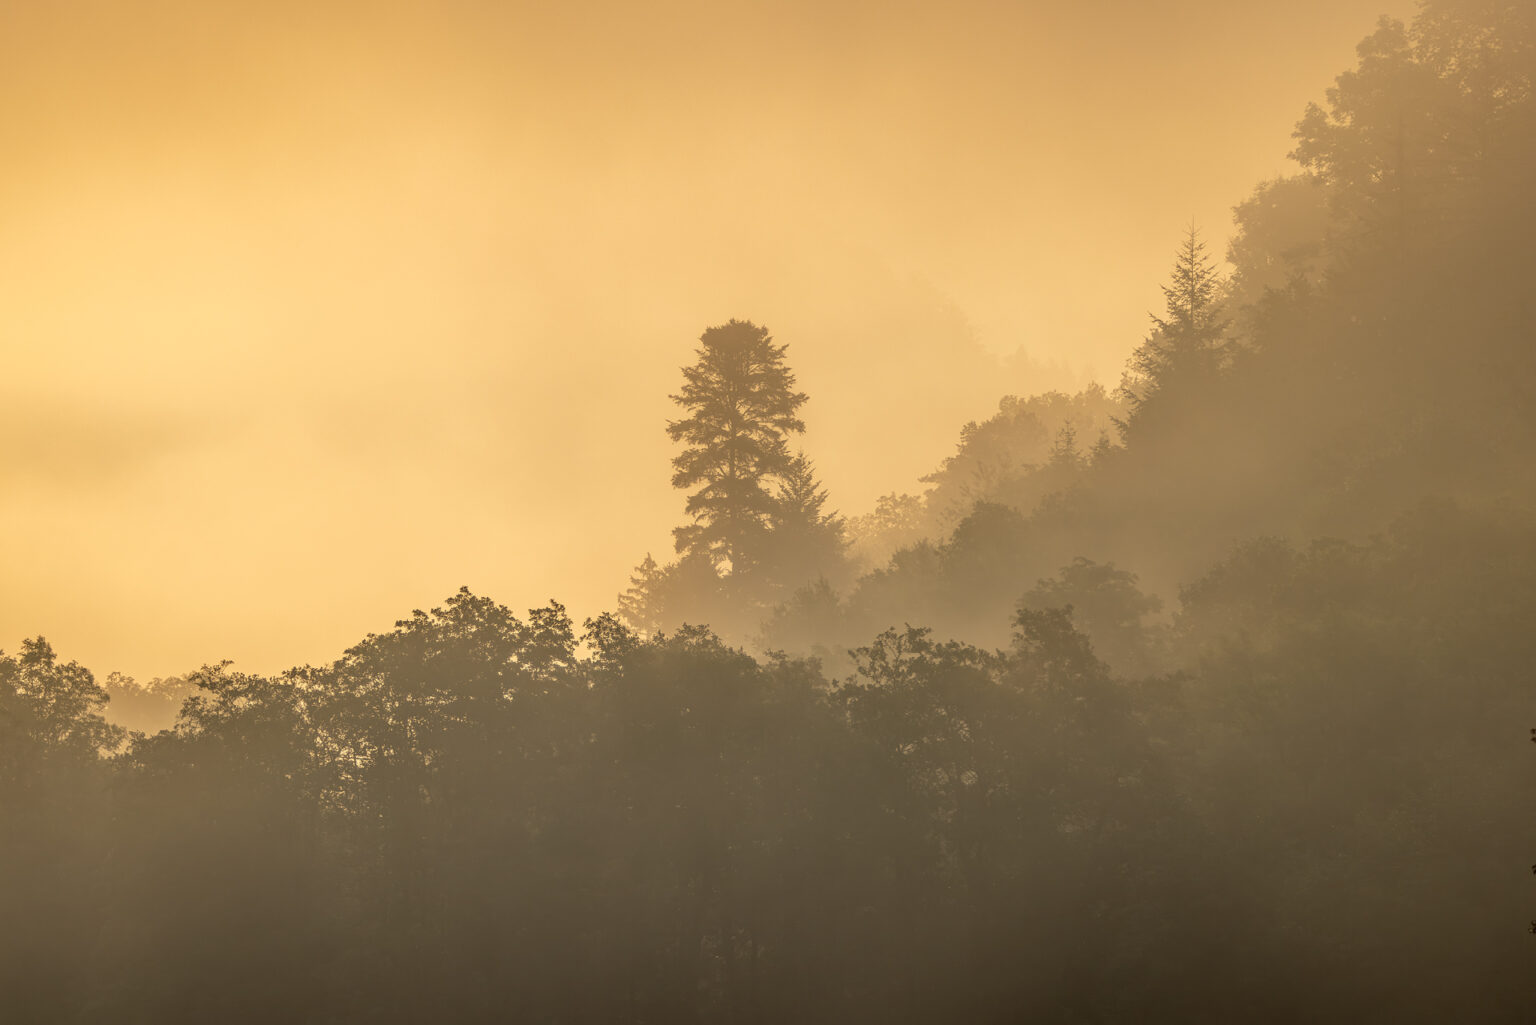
1187, 347
806, 540
741, 403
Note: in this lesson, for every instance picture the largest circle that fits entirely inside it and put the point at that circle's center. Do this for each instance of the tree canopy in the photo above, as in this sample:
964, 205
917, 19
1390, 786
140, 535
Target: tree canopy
741, 408
1220, 720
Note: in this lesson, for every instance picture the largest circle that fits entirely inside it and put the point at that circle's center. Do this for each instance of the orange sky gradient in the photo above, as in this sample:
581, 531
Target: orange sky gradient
314, 312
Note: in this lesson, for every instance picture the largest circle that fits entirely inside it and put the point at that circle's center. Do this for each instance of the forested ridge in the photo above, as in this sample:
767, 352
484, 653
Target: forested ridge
1200, 699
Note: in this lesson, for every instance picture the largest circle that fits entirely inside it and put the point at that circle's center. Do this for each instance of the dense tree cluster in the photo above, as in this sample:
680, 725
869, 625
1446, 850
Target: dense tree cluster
1215, 716
1338, 377
760, 527
478, 815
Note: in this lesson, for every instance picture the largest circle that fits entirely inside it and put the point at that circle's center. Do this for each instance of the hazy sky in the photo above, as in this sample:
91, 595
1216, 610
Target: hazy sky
313, 312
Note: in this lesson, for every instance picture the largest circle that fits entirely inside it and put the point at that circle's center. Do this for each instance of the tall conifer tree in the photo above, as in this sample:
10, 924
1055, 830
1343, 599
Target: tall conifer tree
1187, 347
742, 405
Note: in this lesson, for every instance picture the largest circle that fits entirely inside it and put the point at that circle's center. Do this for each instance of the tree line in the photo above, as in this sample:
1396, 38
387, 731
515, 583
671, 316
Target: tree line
1203, 700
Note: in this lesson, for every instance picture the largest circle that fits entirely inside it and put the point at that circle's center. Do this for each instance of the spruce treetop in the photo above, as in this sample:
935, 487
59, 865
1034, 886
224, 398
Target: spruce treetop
741, 405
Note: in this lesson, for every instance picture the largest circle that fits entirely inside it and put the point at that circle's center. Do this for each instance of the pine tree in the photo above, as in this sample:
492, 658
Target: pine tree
806, 540
1187, 348
802, 499
637, 605
1064, 452
741, 403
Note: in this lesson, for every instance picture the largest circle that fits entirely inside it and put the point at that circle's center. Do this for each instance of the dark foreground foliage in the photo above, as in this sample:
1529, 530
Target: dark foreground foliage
474, 818
1276, 774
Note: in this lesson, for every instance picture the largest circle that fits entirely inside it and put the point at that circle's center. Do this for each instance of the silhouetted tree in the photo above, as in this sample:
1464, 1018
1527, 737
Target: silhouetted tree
54, 807
1282, 238
1108, 607
805, 540
1389, 142
896, 522
1187, 346
742, 405
57, 705
1307, 817
1064, 453
639, 604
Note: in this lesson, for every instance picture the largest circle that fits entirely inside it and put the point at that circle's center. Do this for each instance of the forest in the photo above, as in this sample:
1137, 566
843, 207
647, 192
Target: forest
1205, 698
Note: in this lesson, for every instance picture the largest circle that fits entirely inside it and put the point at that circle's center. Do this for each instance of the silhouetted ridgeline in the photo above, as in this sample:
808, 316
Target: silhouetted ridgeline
1374, 348
1205, 701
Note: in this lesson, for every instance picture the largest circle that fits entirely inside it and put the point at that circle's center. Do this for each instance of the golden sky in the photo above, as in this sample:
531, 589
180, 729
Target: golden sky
313, 312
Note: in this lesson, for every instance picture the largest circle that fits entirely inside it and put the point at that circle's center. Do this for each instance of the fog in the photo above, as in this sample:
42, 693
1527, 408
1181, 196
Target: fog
314, 273
822, 513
